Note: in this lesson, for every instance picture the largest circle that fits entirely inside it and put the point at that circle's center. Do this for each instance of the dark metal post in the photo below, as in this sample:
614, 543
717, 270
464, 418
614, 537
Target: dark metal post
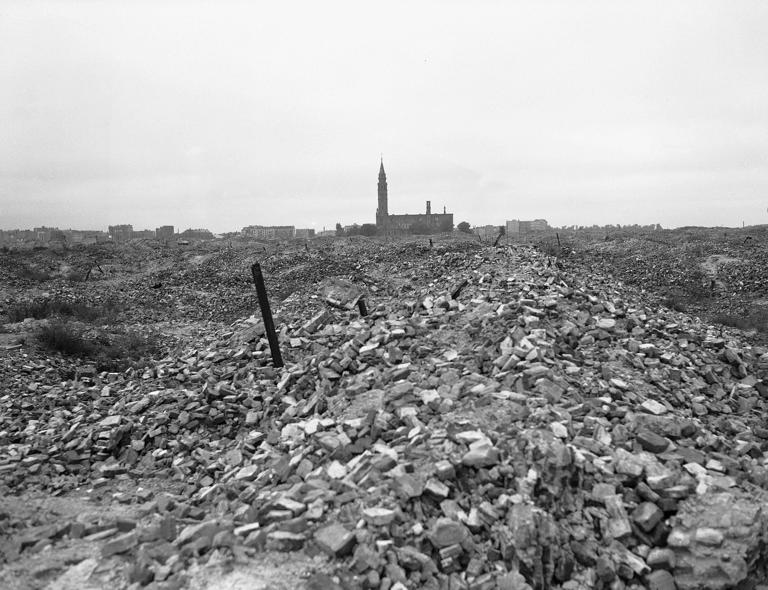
558, 240
456, 290
266, 313
361, 307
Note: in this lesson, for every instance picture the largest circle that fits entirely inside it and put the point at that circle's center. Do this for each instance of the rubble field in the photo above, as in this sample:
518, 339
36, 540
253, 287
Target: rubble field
499, 420
715, 273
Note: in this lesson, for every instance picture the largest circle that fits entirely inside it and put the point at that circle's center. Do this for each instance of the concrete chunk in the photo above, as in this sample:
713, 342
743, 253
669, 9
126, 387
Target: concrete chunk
335, 540
120, 544
652, 442
447, 532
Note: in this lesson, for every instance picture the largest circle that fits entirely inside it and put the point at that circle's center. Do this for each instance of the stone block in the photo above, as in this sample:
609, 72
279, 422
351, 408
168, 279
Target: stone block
335, 540
447, 532
652, 442
481, 456
647, 515
660, 580
717, 539
194, 532
120, 544
379, 516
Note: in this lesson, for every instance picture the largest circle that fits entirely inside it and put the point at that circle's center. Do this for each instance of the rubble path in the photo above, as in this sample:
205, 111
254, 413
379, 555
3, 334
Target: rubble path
544, 428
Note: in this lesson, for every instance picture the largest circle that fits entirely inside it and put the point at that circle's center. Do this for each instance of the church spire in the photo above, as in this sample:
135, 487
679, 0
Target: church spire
382, 211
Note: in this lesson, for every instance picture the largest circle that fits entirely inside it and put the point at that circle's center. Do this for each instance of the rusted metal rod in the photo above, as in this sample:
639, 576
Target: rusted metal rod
266, 314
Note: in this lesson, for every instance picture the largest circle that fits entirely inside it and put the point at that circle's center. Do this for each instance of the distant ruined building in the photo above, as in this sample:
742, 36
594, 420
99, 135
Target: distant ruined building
269, 232
399, 224
164, 232
121, 233
518, 226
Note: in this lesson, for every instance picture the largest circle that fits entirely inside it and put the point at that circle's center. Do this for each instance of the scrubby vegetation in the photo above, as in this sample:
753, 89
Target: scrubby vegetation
756, 319
58, 308
34, 274
60, 337
110, 351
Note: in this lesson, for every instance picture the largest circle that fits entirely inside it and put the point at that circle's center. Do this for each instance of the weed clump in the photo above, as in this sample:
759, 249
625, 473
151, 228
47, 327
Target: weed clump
61, 337
49, 308
34, 274
109, 351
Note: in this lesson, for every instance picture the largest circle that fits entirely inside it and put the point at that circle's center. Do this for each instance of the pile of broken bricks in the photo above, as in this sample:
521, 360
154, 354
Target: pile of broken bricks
539, 428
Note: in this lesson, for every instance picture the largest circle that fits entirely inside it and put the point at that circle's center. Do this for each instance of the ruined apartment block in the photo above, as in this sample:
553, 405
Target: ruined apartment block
164, 232
121, 233
269, 232
517, 227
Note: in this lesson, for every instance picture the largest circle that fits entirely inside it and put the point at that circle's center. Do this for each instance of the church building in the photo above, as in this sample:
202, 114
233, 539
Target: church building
402, 224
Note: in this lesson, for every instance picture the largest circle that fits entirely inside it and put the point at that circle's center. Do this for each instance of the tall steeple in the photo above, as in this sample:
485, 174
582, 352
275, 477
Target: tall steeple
382, 211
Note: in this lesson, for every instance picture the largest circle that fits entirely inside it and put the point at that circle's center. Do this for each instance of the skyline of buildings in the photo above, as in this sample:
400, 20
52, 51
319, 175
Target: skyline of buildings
385, 224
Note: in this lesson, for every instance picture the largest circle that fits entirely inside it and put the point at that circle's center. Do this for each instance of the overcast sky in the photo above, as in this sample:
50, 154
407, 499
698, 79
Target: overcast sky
222, 114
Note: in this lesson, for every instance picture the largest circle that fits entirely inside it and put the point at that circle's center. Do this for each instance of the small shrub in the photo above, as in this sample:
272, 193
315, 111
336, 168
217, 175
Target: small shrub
34, 274
109, 352
118, 352
61, 337
20, 311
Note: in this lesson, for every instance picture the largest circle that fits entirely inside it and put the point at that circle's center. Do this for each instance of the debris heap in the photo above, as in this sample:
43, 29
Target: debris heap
534, 428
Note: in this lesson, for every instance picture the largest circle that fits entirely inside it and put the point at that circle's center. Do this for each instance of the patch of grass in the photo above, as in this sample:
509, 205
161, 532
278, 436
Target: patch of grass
61, 337
34, 274
29, 309
755, 320
48, 308
108, 351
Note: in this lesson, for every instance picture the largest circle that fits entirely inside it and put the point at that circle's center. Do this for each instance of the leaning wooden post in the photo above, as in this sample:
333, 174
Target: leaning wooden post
266, 313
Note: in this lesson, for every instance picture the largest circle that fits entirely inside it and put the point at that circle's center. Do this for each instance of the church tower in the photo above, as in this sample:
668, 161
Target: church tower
382, 212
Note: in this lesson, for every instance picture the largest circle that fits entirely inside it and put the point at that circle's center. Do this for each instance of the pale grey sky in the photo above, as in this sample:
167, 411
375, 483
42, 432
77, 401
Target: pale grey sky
221, 114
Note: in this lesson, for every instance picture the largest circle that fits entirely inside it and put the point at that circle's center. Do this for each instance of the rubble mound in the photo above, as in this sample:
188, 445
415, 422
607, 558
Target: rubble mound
712, 272
494, 422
